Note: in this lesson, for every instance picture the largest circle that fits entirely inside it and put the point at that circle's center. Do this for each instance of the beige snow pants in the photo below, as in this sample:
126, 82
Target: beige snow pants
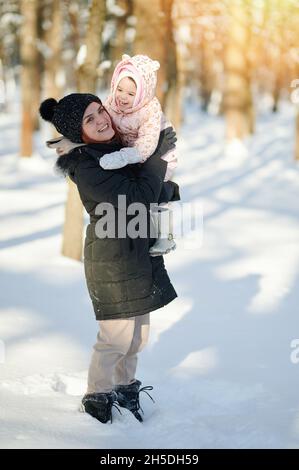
114, 359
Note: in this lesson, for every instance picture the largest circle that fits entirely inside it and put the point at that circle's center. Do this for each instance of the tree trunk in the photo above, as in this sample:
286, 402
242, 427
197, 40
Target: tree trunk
73, 224
174, 74
87, 72
206, 72
237, 94
38, 69
29, 56
53, 63
119, 43
151, 38
87, 75
154, 37
73, 12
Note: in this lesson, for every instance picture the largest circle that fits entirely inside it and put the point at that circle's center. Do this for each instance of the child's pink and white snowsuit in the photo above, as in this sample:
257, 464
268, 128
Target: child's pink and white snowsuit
140, 126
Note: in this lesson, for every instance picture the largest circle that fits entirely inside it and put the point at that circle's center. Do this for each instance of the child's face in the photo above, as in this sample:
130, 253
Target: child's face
96, 123
125, 94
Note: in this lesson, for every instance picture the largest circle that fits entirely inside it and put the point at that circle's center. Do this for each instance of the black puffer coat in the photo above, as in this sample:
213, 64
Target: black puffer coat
122, 279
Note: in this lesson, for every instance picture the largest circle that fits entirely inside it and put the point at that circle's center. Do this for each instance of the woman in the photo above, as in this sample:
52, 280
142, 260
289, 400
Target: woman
123, 281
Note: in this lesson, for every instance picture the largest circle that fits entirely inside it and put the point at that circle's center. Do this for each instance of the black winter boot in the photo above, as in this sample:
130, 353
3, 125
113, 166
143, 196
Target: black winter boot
128, 397
99, 405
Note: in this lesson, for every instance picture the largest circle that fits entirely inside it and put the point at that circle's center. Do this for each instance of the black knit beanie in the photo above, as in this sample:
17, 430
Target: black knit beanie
67, 114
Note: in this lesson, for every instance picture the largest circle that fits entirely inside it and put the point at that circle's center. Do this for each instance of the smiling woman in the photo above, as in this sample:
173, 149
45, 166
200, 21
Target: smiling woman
124, 282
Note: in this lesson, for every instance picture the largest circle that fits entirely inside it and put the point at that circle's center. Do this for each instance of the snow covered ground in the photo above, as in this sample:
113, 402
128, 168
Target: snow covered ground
219, 356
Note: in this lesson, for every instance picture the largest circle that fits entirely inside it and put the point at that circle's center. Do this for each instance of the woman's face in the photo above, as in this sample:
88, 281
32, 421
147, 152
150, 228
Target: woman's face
97, 124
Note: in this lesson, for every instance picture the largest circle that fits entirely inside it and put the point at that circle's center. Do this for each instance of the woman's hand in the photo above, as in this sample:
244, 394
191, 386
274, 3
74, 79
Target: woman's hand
166, 142
62, 145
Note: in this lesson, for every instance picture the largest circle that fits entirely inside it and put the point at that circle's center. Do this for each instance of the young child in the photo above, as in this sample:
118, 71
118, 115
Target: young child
138, 117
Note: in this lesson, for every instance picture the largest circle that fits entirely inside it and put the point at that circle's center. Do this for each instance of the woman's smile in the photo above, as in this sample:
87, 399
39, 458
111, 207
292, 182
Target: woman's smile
104, 128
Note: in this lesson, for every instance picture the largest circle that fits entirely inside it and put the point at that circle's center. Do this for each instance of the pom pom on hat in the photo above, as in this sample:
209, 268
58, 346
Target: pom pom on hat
125, 56
47, 109
67, 114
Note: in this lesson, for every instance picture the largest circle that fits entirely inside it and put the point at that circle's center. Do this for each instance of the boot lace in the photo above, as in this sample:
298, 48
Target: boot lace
114, 405
137, 405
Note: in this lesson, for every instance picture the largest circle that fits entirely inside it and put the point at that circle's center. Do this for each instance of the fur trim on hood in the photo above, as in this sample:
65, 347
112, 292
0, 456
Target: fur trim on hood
66, 164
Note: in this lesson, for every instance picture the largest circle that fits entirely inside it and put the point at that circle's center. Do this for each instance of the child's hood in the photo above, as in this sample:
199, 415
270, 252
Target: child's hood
143, 70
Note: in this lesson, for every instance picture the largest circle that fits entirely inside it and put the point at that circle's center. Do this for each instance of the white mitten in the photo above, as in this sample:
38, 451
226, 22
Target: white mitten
119, 159
62, 145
